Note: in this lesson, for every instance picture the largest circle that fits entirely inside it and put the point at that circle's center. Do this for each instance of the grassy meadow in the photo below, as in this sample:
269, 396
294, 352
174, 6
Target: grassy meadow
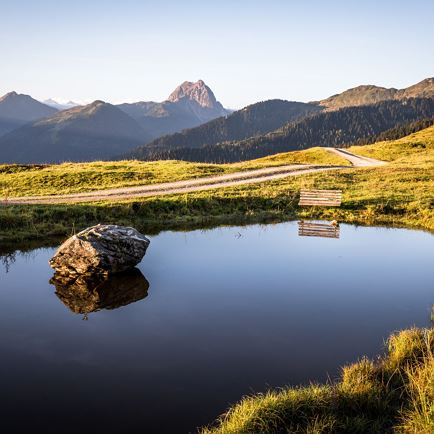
393, 394
26, 180
417, 147
397, 194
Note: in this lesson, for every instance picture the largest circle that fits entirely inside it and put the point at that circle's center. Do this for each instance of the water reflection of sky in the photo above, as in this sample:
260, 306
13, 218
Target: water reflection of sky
228, 311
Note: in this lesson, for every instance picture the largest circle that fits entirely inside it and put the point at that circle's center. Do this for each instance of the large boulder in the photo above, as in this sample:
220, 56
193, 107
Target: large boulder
100, 249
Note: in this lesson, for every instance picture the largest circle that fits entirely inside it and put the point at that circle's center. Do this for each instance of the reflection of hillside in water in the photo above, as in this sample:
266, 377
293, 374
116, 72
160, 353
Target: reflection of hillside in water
90, 293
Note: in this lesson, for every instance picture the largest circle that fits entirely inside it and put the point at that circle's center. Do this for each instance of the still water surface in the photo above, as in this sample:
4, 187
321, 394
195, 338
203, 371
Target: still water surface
228, 311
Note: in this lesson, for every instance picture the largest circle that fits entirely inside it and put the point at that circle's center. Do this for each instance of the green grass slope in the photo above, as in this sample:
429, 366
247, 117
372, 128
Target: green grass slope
417, 146
25, 180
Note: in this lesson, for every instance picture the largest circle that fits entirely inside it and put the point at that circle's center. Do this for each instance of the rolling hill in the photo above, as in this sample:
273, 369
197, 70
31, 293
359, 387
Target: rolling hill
18, 109
83, 133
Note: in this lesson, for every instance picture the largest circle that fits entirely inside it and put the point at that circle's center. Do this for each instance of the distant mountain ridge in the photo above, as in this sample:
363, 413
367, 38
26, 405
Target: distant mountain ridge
189, 105
60, 106
370, 94
191, 124
18, 109
84, 133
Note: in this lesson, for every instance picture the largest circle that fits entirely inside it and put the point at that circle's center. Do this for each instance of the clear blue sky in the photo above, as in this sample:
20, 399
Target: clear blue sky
247, 51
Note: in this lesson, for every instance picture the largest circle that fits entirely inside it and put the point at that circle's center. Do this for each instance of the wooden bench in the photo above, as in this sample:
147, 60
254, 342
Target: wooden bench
324, 230
320, 198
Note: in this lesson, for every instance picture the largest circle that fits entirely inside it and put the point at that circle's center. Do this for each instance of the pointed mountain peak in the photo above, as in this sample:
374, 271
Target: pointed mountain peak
198, 92
8, 95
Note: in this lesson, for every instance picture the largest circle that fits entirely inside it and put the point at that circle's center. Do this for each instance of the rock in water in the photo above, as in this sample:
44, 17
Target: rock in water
100, 249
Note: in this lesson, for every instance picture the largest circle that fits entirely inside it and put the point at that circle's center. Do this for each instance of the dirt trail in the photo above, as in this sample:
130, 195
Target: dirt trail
356, 160
208, 183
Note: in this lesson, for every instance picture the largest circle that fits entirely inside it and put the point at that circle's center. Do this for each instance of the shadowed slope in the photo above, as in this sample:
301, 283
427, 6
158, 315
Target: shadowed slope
83, 133
252, 120
17, 110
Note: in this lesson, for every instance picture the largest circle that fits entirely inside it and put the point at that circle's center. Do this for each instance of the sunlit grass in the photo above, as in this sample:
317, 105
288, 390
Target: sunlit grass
413, 148
25, 180
392, 394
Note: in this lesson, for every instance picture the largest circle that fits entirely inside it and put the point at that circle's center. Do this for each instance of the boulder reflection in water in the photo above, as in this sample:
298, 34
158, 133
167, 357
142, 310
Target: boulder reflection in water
89, 293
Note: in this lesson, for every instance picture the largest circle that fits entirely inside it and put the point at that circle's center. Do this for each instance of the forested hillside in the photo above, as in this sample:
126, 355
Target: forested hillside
332, 128
398, 132
252, 120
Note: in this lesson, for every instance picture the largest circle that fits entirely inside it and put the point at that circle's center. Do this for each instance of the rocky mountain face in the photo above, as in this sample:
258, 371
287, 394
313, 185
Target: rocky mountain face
369, 94
199, 98
189, 105
17, 110
92, 132
424, 89
198, 92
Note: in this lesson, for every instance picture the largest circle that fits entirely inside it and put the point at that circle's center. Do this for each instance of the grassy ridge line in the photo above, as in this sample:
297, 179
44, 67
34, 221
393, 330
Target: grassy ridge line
28, 180
394, 394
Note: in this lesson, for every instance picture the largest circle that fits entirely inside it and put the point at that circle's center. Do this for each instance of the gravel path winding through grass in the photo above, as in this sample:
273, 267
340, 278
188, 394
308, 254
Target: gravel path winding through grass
208, 183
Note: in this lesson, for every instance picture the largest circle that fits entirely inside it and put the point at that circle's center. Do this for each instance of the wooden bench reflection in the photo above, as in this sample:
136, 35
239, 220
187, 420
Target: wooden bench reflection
325, 230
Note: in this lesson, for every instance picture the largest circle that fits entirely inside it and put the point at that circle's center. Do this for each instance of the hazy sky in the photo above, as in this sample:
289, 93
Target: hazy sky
246, 51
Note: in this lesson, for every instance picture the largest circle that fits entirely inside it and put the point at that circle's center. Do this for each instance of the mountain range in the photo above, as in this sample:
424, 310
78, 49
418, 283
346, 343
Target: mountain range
191, 124
334, 112
98, 130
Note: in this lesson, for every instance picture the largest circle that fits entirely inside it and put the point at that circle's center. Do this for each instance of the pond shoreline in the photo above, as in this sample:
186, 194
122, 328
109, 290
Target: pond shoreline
392, 394
24, 224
